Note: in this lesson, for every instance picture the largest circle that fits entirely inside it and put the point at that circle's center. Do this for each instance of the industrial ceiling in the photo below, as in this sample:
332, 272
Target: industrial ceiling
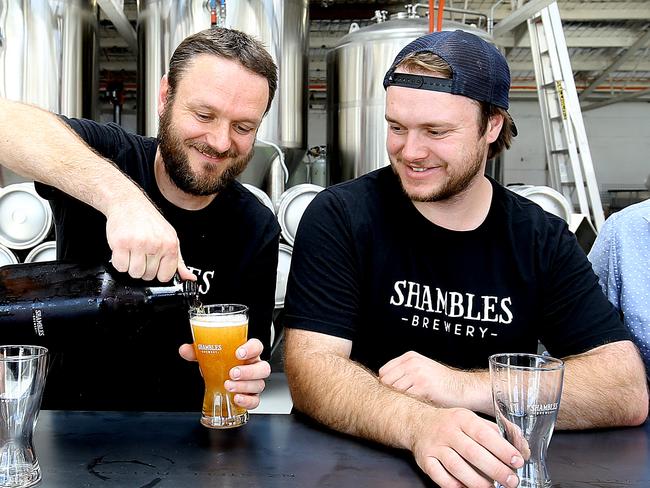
608, 43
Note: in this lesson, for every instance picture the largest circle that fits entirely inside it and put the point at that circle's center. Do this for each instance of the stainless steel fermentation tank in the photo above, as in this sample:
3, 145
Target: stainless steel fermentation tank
48, 57
48, 53
281, 25
356, 128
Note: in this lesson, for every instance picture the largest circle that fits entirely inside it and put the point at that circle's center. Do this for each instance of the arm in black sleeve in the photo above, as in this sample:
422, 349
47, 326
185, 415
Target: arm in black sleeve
577, 315
323, 290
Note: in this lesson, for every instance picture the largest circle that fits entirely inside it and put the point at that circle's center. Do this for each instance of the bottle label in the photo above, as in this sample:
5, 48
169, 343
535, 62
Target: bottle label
37, 320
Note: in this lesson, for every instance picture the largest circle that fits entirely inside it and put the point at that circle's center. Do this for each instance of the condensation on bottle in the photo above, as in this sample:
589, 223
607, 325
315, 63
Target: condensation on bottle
51, 303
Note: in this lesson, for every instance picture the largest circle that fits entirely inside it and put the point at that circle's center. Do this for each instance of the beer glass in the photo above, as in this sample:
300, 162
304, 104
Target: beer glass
526, 391
22, 378
218, 330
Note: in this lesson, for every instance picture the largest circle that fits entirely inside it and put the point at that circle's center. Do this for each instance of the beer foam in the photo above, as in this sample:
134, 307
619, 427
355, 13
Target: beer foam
219, 320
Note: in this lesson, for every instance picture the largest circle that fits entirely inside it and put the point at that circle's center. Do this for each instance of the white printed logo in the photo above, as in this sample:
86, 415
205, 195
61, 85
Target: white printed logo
37, 320
452, 309
209, 348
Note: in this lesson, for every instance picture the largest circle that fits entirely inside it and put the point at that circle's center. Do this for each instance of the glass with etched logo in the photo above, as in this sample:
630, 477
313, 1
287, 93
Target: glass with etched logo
22, 380
218, 330
526, 390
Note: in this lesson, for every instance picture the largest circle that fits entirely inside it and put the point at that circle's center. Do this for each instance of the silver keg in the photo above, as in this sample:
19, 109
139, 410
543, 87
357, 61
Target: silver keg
45, 251
292, 205
546, 197
25, 218
261, 196
7, 257
284, 264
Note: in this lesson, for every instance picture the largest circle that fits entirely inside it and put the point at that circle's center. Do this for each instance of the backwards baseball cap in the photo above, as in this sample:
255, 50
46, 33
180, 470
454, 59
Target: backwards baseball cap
479, 70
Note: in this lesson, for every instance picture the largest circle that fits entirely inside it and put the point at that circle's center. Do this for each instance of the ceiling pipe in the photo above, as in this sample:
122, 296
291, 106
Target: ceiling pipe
441, 9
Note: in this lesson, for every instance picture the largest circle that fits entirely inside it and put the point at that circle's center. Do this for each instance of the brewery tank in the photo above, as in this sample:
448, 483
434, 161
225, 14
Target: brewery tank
48, 54
281, 25
356, 128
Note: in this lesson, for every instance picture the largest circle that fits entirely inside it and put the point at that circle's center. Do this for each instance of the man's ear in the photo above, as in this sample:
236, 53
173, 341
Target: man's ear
163, 95
495, 123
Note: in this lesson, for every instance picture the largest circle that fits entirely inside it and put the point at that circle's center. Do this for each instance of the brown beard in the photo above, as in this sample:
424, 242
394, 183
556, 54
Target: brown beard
454, 185
177, 165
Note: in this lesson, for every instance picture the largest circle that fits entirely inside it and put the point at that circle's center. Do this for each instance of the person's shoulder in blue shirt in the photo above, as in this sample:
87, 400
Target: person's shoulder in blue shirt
621, 259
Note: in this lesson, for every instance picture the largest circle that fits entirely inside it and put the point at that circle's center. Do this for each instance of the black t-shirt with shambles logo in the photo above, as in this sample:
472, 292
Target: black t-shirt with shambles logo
368, 267
231, 245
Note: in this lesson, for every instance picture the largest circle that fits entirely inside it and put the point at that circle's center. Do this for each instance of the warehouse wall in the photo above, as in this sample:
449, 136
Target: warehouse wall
619, 140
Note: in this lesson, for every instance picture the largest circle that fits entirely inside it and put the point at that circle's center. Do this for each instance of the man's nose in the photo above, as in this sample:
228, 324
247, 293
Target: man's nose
219, 137
414, 148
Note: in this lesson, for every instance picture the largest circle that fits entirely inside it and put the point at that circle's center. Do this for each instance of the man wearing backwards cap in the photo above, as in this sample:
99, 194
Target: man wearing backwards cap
405, 280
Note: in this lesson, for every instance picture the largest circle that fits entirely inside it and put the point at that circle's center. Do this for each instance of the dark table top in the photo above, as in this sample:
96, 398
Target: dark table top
82, 449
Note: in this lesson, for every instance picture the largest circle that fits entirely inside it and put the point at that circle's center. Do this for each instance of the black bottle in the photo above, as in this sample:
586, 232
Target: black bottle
50, 303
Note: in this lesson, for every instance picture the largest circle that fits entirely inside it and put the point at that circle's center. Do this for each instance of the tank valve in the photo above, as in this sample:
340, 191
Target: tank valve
380, 16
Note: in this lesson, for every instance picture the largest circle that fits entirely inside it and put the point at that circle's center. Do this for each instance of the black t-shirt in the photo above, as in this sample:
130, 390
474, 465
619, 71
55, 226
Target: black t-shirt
368, 267
231, 245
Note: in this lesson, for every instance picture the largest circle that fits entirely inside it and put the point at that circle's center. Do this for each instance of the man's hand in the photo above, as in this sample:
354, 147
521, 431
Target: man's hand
247, 380
144, 244
457, 448
438, 384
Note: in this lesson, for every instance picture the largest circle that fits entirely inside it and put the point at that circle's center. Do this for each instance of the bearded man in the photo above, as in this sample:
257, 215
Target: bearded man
404, 281
156, 206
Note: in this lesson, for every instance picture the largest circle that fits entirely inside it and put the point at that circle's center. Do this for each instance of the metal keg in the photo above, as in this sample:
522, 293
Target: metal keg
7, 257
284, 264
45, 251
261, 196
25, 218
292, 205
546, 197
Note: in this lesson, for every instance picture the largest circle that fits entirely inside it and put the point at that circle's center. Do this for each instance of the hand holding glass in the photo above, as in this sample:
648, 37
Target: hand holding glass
526, 390
22, 378
218, 330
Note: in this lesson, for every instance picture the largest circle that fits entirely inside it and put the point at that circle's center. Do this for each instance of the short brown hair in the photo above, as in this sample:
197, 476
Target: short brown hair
429, 62
504, 141
225, 43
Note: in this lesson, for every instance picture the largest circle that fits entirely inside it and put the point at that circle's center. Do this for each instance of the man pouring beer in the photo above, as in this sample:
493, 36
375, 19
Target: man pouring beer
404, 281
157, 206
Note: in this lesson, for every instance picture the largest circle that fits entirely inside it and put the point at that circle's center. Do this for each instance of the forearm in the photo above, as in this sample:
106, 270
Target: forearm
605, 387
438, 384
476, 391
452, 445
345, 396
464, 389
38, 145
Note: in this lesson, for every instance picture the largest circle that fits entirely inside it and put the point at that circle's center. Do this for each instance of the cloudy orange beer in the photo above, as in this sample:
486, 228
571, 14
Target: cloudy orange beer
218, 330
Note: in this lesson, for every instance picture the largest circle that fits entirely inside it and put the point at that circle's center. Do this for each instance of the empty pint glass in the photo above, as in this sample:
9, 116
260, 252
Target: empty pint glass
526, 390
218, 331
22, 378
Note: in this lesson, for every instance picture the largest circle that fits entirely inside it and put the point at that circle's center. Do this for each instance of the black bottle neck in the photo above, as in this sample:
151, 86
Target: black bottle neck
172, 294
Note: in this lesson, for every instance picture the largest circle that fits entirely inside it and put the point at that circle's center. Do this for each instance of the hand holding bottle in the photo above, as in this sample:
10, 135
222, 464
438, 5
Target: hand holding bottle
144, 244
